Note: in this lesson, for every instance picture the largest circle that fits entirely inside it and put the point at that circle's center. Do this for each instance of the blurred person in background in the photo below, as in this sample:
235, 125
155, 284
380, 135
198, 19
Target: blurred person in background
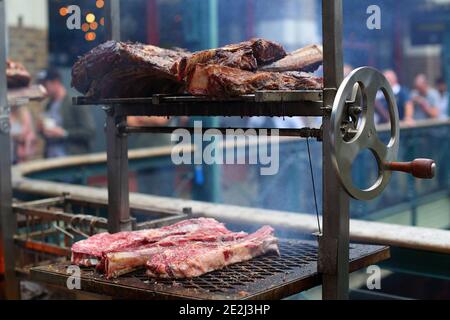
442, 88
401, 96
423, 103
23, 134
348, 68
67, 130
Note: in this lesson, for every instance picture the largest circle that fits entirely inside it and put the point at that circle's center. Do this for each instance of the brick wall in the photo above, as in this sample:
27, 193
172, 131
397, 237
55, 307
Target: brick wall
29, 46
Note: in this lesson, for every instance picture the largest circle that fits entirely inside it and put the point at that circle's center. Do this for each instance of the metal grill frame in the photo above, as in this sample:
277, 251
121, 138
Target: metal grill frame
265, 277
333, 261
42, 221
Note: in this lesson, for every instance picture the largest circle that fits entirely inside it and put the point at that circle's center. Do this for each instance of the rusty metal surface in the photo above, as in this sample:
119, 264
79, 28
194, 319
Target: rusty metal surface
266, 277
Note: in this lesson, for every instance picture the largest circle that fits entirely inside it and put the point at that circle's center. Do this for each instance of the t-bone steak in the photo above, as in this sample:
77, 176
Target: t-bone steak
199, 258
90, 251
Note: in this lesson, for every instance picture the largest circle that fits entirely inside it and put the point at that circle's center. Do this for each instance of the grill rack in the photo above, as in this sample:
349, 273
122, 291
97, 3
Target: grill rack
265, 277
333, 261
262, 103
47, 228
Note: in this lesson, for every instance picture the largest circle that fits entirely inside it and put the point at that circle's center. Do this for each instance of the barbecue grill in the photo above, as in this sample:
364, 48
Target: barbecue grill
346, 108
266, 277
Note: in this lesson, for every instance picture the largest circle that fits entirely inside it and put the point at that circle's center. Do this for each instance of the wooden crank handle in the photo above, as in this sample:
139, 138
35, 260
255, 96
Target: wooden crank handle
419, 168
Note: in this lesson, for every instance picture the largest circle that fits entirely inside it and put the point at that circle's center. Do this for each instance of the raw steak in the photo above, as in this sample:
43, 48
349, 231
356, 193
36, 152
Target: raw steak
115, 264
222, 82
123, 70
199, 258
16, 75
88, 252
248, 55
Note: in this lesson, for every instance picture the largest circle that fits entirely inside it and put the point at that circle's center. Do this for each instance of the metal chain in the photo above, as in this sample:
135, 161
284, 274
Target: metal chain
314, 186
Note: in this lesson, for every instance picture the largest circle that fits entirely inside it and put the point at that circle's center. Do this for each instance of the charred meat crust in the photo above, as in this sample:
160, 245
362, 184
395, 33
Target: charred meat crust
248, 55
118, 69
221, 82
16, 75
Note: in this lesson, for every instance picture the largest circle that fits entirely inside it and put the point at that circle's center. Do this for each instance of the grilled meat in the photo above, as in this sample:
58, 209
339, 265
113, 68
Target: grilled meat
90, 251
221, 82
16, 75
307, 59
202, 257
123, 70
186, 249
248, 55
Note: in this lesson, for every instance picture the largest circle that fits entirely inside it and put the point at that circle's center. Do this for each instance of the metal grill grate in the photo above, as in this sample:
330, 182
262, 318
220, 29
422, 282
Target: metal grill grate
266, 277
235, 278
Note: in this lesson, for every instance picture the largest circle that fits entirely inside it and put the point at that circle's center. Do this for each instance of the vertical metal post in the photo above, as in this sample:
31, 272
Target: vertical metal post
211, 189
8, 220
334, 244
119, 218
112, 24
118, 191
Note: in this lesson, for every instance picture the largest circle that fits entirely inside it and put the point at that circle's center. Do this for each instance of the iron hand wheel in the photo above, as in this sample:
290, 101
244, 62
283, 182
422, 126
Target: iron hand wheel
353, 134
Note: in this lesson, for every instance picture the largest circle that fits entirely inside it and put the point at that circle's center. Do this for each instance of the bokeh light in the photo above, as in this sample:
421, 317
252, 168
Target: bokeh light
100, 4
102, 21
93, 26
90, 36
63, 11
90, 17
85, 27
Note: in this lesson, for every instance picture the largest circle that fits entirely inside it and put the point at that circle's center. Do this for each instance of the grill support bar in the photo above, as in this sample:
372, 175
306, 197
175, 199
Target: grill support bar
334, 243
301, 133
119, 218
7, 219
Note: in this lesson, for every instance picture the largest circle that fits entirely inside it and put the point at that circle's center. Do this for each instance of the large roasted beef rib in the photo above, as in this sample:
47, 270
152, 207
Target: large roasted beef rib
248, 55
123, 70
130, 70
307, 59
222, 82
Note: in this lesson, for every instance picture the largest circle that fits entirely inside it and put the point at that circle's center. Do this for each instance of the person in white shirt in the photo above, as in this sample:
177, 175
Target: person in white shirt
443, 102
423, 103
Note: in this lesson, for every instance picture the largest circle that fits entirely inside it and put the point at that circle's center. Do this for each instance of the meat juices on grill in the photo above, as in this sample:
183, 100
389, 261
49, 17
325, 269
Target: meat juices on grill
90, 251
306, 59
115, 264
16, 75
199, 258
248, 55
123, 70
222, 82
